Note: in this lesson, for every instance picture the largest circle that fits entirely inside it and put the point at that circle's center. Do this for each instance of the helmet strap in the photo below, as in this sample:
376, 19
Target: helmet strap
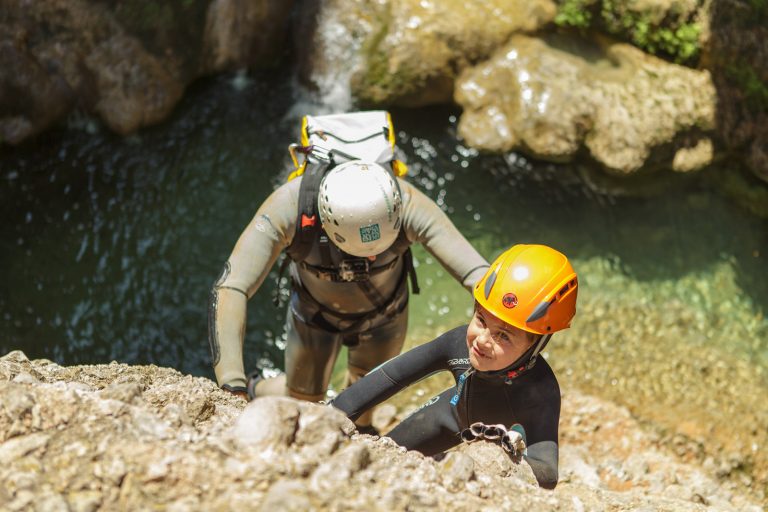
524, 362
539, 347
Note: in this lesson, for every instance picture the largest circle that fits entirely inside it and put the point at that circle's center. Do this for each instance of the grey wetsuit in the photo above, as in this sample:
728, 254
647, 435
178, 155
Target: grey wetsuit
321, 311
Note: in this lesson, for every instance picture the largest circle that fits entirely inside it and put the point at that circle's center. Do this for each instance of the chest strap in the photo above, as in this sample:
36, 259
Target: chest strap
349, 270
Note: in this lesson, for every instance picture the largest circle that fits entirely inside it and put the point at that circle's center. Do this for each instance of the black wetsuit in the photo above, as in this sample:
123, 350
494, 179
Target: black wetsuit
531, 399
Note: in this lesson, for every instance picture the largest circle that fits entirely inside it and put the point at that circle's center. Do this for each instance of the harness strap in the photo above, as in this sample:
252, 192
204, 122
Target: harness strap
389, 309
408, 261
371, 293
332, 273
308, 223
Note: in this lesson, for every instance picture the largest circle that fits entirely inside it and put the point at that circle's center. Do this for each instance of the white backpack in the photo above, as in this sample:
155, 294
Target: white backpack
341, 138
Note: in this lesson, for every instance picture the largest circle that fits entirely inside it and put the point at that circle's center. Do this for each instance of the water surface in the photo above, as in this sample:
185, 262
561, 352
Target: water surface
110, 245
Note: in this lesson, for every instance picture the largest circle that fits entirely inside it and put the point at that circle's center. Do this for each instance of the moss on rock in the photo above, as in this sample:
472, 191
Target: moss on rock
673, 33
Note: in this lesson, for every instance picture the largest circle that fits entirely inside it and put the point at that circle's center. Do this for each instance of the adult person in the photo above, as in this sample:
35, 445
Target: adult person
350, 288
528, 293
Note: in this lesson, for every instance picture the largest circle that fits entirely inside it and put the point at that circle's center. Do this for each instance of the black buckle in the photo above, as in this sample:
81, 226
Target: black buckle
355, 269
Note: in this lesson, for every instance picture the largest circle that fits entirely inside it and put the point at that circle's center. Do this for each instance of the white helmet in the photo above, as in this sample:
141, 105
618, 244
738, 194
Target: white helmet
360, 206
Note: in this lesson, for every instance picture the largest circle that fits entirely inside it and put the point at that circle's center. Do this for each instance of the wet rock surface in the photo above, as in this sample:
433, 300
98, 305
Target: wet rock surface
114, 436
561, 97
410, 52
126, 62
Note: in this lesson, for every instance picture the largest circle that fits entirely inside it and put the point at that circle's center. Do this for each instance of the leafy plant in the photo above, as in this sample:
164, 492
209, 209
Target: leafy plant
675, 36
574, 13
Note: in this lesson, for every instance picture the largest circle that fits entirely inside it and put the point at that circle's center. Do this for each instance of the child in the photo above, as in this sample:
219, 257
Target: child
528, 294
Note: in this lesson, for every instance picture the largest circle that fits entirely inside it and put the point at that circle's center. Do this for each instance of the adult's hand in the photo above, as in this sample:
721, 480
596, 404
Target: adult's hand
238, 391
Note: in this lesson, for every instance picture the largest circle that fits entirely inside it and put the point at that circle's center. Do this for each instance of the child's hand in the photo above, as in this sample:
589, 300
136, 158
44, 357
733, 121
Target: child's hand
513, 442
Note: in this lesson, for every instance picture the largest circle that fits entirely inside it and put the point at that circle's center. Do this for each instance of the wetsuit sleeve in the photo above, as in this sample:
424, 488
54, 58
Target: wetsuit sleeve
393, 376
270, 231
427, 224
542, 451
542, 457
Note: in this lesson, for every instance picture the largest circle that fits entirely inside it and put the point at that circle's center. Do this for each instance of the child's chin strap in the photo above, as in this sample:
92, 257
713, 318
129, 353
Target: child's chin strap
511, 372
517, 368
539, 347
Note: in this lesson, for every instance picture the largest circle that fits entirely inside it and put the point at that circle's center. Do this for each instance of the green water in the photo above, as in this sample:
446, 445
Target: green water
110, 245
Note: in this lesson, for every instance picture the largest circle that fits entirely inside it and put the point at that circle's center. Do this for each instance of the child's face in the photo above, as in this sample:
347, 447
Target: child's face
492, 343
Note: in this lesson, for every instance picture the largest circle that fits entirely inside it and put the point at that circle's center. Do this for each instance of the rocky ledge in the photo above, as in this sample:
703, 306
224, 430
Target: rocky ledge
120, 437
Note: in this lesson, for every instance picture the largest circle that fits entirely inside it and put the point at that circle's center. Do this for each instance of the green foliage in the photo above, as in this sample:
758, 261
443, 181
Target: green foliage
681, 43
747, 80
574, 13
760, 7
674, 37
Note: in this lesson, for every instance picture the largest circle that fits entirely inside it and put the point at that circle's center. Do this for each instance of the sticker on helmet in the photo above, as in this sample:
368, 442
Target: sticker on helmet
370, 233
509, 300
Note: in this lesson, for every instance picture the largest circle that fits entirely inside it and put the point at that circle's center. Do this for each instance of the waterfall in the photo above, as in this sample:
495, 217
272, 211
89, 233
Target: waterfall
335, 56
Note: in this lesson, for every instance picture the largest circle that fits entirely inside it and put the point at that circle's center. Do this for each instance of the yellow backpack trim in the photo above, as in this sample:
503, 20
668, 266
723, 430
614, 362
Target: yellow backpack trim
391, 131
298, 172
399, 168
304, 135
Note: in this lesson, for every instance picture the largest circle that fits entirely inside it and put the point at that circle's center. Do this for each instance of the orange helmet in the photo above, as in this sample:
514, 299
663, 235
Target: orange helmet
532, 287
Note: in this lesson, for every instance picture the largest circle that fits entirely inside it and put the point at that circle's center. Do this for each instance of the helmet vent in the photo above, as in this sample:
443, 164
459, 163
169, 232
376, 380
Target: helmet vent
490, 282
539, 312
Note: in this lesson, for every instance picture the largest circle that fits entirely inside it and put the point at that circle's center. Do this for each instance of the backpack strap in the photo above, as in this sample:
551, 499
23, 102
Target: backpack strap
308, 221
402, 246
408, 262
308, 227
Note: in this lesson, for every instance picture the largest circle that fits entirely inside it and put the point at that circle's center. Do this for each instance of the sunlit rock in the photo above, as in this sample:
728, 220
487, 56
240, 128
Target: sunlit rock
695, 157
83, 438
409, 53
456, 470
554, 97
489, 458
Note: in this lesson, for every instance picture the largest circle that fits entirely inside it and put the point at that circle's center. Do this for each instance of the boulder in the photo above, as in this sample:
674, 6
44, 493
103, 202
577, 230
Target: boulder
556, 97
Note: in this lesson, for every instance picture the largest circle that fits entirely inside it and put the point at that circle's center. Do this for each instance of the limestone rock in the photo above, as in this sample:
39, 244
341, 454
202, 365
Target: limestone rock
84, 438
457, 469
491, 459
409, 52
239, 33
551, 98
126, 62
